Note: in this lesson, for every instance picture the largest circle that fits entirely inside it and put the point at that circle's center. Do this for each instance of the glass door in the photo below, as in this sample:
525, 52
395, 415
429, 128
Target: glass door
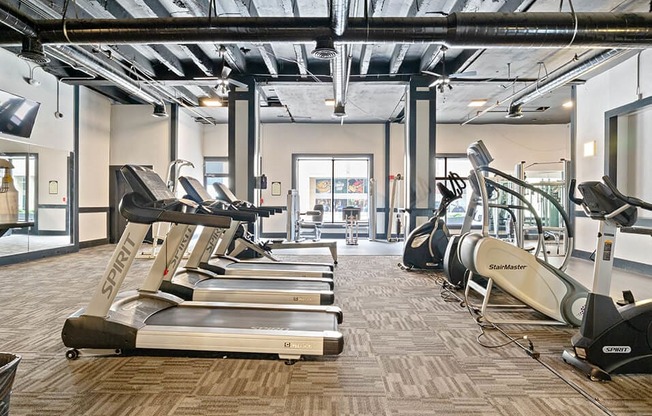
335, 183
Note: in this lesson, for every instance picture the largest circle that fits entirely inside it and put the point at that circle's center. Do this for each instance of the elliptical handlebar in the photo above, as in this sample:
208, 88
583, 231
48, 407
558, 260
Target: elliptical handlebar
636, 202
571, 193
457, 183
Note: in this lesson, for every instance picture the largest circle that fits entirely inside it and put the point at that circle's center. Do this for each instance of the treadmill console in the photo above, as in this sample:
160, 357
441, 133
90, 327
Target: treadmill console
195, 190
146, 183
224, 193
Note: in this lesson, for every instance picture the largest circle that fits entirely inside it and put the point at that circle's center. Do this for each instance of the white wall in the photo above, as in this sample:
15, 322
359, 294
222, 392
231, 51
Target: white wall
139, 138
94, 148
216, 140
190, 146
600, 94
508, 144
280, 141
49, 131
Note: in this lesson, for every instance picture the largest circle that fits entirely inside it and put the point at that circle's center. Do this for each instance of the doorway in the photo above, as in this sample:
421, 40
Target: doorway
334, 181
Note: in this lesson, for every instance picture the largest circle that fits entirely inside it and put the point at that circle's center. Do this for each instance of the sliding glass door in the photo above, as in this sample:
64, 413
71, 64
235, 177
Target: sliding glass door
334, 182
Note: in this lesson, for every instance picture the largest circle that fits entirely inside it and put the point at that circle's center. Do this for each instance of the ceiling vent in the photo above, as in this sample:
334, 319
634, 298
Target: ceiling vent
325, 49
32, 51
514, 112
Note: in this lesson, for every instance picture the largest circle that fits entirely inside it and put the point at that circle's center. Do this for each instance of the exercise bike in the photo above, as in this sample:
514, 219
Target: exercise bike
611, 339
426, 244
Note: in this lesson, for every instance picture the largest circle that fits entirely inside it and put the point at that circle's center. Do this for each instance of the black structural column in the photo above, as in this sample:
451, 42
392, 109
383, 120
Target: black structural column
174, 132
244, 146
420, 137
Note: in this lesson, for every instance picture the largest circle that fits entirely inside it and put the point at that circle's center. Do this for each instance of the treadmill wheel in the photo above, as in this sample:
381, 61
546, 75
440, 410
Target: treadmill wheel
72, 354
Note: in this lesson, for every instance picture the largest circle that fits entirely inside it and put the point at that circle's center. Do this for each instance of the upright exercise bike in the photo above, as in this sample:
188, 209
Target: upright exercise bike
426, 245
611, 339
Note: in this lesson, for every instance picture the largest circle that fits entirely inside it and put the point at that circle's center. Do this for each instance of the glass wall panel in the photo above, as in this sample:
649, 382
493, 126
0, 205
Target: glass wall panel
35, 211
335, 183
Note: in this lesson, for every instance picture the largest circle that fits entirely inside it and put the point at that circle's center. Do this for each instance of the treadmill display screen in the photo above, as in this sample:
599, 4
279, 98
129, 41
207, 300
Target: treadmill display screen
147, 183
195, 189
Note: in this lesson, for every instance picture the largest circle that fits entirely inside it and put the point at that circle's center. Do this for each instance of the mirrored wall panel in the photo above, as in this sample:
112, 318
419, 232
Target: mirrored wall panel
35, 209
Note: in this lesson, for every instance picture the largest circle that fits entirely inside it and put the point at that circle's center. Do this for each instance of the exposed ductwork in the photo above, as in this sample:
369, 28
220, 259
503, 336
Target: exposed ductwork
96, 65
556, 79
538, 89
340, 63
339, 15
10, 18
79, 56
520, 30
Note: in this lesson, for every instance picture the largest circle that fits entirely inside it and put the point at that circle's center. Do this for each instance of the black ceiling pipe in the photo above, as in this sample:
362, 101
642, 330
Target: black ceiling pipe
487, 30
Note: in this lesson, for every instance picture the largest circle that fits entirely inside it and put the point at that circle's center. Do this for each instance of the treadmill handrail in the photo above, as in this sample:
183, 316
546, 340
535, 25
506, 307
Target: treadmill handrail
233, 214
134, 210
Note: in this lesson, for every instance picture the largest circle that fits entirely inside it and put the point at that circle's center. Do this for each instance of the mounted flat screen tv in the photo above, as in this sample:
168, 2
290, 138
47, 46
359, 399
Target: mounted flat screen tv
17, 114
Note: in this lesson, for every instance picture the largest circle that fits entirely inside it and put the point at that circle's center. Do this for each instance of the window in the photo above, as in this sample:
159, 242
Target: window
216, 170
457, 210
335, 183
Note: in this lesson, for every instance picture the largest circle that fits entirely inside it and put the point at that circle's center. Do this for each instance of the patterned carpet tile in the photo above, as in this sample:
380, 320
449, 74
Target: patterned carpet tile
410, 350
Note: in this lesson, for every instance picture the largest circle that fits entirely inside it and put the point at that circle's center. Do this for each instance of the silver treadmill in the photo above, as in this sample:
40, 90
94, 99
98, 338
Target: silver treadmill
203, 285
217, 241
152, 319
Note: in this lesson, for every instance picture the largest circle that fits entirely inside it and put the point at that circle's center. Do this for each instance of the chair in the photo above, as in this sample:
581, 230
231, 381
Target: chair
310, 222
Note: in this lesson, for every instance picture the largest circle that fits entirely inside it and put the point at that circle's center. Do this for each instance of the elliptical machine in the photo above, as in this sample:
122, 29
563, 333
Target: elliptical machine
611, 339
519, 273
425, 246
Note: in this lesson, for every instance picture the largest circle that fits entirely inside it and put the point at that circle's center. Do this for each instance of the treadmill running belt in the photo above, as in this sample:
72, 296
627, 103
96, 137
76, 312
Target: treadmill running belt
278, 266
237, 318
262, 284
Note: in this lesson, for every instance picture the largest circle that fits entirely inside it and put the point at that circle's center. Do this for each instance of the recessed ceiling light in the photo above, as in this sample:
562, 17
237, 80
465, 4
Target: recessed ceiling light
567, 104
330, 102
478, 103
210, 102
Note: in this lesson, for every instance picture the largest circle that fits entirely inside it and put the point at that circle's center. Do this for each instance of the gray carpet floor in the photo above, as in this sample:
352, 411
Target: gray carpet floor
408, 351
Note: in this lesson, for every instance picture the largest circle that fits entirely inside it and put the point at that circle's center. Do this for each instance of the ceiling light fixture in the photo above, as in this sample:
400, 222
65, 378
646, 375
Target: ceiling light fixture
568, 104
514, 111
325, 49
478, 103
211, 102
159, 111
330, 102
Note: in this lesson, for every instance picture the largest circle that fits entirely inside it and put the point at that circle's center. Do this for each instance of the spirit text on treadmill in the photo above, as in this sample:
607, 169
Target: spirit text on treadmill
614, 349
507, 266
187, 235
118, 265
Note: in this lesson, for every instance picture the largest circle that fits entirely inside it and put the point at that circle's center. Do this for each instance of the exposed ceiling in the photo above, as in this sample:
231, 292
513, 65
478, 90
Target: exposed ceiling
367, 79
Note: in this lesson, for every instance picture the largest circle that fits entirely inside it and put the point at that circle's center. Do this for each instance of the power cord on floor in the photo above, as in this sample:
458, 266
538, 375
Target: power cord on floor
529, 349
448, 293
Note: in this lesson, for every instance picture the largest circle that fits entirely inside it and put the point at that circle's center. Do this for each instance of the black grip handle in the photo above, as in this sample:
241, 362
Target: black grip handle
628, 199
571, 193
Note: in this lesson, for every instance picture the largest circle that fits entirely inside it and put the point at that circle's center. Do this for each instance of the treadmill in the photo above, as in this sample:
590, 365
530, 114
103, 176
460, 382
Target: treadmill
148, 318
215, 240
204, 285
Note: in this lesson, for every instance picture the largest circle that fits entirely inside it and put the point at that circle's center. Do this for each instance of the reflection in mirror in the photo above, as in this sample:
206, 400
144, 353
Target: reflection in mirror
34, 198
